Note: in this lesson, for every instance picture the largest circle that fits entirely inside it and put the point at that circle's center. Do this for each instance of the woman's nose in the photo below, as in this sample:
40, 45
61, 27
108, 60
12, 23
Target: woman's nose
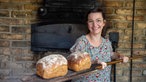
95, 24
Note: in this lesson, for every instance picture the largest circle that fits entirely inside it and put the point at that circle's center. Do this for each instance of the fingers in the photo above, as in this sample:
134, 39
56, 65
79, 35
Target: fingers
125, 59
103, 65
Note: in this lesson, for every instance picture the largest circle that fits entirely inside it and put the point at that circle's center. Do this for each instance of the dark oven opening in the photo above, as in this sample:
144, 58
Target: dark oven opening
55, 36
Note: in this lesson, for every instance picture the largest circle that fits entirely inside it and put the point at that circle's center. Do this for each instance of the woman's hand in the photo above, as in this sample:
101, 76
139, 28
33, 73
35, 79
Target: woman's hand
124, 58
103, 64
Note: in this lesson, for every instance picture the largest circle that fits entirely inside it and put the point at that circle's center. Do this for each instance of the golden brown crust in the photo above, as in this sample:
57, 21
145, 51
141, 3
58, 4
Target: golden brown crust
52, 66
51, 73
79, 63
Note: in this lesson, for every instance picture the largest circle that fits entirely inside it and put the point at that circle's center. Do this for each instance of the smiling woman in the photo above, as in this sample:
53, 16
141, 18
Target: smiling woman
99, 48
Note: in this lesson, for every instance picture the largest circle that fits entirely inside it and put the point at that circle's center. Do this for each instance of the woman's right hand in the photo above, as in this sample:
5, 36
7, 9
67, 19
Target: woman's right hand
103, 64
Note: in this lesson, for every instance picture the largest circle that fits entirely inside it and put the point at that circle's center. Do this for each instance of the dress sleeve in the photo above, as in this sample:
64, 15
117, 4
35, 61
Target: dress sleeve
79, 45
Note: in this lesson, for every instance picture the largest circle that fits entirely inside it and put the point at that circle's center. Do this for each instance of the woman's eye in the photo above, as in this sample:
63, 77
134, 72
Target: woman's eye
99, 21
90, 21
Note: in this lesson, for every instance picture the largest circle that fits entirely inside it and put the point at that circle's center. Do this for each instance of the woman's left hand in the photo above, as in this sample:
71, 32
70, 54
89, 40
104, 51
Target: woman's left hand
119, 56
125, 59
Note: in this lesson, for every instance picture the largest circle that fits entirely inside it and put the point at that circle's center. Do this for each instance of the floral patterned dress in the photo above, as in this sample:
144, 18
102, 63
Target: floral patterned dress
102, 53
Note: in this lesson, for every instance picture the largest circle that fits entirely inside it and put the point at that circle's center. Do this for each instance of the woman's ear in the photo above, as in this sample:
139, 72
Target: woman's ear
104, 22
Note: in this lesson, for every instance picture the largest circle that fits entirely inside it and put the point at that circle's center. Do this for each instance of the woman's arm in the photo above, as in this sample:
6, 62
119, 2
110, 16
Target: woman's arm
117, 55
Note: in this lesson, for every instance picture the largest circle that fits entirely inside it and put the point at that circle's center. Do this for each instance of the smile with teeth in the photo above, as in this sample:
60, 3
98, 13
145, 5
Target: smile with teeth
96, 28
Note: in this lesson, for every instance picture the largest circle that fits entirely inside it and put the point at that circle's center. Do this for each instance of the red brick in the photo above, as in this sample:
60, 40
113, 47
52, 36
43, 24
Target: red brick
26, 1
4, 28
139, 79
31, 7
17, 37
11, 36
109, 10
139, 65
113, 3
127, 45
126, 38
140, 4
139, 60
4, 36
118, 18
141, 25
124, 52
134, 72
11, 6
120, 45
136, 18
1, 1
4, 43
5, 51
27, 52
128, 32
12, 21
129, 4
141, 11
30, 65
122, 65
139, 45
119, 72
22, 14
28, 37
124, 11
121, 25
4, 13
20, 44
139, 52
21, 29
139, 32
122, 78
16, 51
26, 58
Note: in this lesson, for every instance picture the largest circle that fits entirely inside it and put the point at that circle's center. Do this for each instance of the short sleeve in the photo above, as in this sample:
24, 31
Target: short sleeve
79, 45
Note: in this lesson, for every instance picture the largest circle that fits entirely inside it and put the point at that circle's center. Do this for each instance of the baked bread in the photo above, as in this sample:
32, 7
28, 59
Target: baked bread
51, 66
78, 61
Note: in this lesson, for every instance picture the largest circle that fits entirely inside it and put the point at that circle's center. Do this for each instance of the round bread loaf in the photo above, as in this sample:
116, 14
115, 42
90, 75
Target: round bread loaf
78, 61
51, 66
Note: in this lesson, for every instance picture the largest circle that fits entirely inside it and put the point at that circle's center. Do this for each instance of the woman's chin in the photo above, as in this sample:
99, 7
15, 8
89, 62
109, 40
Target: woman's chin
96, 33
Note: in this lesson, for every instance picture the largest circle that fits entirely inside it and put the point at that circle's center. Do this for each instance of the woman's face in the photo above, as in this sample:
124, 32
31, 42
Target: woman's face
95, 23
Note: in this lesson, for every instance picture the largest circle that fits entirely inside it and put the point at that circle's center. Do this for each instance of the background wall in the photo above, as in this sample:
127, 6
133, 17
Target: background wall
16, 17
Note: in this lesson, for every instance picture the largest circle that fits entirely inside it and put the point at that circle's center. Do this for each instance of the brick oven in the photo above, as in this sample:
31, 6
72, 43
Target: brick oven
62, 22
19, 17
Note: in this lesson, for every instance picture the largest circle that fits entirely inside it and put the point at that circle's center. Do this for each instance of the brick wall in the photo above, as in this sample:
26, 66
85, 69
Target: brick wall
119, 14
16, 59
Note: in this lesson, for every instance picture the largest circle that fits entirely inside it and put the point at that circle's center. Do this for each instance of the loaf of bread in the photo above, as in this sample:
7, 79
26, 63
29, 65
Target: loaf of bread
78, 61
51, 66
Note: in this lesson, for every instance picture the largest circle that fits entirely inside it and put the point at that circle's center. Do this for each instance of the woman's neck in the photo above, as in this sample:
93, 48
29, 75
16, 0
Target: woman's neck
94, 37
94, 40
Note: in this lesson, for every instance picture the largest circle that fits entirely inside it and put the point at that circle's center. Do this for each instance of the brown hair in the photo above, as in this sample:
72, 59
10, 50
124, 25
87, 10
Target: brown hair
95, 10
